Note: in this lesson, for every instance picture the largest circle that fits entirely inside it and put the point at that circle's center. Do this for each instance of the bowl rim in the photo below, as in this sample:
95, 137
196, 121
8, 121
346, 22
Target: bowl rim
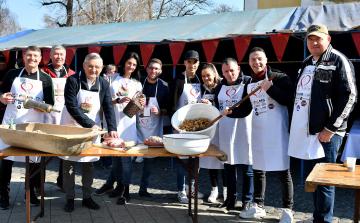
200, 137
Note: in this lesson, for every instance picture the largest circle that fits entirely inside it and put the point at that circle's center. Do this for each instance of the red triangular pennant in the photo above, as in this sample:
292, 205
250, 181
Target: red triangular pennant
146, 52
7, 56
356, 39
279, 42
210, 47
46, 56
94, 49
118, 52
70, 53
176, 50
241, 46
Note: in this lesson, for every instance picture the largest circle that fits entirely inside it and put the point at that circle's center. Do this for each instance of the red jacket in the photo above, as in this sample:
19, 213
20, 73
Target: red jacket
51, 71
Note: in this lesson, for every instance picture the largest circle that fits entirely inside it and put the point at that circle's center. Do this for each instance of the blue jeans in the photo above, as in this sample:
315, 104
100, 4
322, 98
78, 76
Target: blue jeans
121, 170
324, 196
146, 171
182, 177
106, 161
248, 182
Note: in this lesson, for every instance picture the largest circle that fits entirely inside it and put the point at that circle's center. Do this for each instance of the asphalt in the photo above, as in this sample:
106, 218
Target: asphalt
163, 206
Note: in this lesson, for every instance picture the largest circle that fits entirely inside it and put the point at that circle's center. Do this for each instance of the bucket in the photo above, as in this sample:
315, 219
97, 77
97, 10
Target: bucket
194, 111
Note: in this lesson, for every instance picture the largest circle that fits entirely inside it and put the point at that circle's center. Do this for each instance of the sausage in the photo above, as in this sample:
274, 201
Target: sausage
149, 143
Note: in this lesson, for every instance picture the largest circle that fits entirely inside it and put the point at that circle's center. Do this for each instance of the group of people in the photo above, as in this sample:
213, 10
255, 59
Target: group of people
306, 120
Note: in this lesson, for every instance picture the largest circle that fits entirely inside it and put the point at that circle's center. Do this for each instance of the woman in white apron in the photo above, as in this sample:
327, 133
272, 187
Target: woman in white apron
122, 88
211, 79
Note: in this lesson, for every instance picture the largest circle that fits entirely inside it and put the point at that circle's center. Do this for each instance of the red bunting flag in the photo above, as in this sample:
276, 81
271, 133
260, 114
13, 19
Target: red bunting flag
70, 53
279, 42
118, 52
146, 52
210, 47
94, 49
46, 56
176, 50
356, 39
7, 56
241, 46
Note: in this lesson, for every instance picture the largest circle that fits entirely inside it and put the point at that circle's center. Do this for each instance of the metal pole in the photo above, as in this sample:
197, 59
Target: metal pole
172, 158
76, 69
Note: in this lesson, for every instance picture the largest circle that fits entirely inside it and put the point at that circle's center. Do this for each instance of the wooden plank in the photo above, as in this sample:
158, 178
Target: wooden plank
357, 206
310, 186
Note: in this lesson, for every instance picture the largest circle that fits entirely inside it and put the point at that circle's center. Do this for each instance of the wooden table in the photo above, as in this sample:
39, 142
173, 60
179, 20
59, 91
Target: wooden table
331, 174
212, 151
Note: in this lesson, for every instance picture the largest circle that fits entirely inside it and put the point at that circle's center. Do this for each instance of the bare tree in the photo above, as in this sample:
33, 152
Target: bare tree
8, 21
59, 18
224, 8
179, 8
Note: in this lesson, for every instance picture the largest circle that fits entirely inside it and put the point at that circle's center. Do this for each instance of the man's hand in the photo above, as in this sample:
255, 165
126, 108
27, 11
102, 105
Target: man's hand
325, 136
142, 101
265, 84
114, 134
37, 110
124, 100
155, 111
5, 99
205, 101
96, 127
176, 131
225, 111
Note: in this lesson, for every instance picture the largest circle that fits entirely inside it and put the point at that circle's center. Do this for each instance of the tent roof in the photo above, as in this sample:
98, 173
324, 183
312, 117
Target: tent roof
339, 17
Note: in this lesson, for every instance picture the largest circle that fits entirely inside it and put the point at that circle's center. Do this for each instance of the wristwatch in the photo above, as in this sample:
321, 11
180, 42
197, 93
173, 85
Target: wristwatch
160, 112
118, 100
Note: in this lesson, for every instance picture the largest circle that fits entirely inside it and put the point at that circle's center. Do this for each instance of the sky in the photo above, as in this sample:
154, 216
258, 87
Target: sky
30, 14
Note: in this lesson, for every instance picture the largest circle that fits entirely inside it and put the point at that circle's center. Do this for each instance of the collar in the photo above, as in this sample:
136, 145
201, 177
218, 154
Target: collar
84, 80
259, 76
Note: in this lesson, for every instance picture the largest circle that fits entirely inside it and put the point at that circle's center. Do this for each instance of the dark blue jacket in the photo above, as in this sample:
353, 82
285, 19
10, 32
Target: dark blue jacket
163, 92
71, 90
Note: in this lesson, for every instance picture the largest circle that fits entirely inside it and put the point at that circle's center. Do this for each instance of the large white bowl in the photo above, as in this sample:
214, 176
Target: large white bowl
186, 144
193, 111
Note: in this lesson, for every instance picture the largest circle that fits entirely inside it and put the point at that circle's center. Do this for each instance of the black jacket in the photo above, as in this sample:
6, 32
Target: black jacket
242, 110
162, 92
282, 91
71, 90
333, 93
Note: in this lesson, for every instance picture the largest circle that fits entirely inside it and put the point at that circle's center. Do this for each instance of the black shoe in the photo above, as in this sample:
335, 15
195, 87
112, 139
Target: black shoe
245, 206
69, 207
34, 201
4, 202
144, 194
104, 190
124, 197
88, 202
117, 191
228, 204
38, 191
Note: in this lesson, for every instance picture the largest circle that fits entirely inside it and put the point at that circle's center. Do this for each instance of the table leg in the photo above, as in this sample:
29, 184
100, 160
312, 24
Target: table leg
357, 206
27, 188
196, 167
189, 184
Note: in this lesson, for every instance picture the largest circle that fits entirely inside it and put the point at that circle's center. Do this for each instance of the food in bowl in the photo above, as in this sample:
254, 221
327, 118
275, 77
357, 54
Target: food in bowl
154, 141
193, 125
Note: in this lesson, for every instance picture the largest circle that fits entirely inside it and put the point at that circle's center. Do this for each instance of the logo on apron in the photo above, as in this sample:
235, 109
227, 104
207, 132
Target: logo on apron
194, 92
123, 90
303, 103
271, 106
60, 89
27, 87
86, 107
231, 92
305, 80
298, 108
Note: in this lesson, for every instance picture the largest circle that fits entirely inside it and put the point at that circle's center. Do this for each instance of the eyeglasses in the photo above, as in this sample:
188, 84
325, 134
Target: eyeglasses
154, 68
94, 67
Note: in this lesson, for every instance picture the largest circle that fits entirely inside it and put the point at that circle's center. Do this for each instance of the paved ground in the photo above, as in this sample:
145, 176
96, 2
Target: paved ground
163, 207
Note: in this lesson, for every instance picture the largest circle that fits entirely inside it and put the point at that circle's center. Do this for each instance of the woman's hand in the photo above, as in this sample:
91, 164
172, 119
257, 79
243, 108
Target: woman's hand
205, 101
125, 100
142, 101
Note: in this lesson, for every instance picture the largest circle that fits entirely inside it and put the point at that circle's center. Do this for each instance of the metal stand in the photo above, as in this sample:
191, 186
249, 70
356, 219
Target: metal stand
357, 205
187, 167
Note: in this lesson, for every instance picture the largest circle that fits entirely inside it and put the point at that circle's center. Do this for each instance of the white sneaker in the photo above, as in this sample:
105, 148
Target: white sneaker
287, 216
200, 195
253, 212
309, 220
139, 159
213, 195
182, 197
225, 193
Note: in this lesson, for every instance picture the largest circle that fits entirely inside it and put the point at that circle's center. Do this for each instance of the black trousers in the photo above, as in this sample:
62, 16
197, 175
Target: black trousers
60, 176
286, 187
214, 177
5, 177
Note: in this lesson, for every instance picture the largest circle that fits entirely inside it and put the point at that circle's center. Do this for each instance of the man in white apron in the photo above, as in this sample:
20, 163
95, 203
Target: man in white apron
85, 92
22, 83
58, 70
234, 134
270, 115
185, 89
325, 96
149, 122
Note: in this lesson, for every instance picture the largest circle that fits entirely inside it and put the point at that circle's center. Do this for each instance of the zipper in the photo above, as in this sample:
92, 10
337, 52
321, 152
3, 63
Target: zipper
327, 101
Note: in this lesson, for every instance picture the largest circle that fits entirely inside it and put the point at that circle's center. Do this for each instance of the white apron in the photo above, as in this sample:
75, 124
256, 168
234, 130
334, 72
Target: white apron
126, 127
234, 133
269, 117
211, 162
89, 102
59, 101
23, 87
302, 145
